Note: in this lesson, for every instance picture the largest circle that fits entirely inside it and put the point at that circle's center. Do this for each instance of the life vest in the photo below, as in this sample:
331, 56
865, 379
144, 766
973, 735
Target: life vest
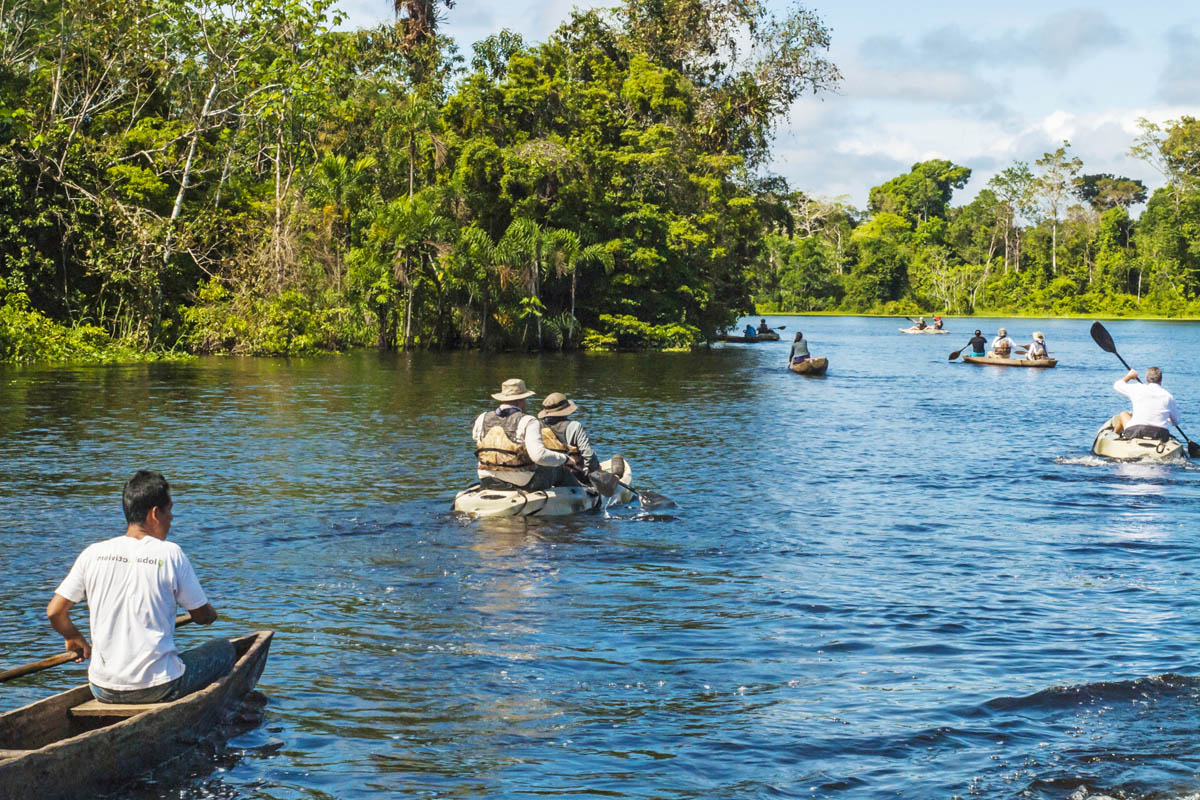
555, 434
499, 450
1002, 350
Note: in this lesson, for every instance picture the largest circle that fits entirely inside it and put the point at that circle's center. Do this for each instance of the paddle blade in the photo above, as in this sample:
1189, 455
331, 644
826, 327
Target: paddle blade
652, 501
954, 355
603, 482
1103, 338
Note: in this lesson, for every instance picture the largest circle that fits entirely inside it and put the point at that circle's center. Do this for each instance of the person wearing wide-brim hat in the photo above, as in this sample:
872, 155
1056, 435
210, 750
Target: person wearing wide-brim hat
581, 455
510, 447
1002, 345
1037, 348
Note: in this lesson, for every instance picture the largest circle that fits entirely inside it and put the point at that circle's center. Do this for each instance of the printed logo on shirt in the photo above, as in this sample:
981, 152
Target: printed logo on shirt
120, 558
154, 562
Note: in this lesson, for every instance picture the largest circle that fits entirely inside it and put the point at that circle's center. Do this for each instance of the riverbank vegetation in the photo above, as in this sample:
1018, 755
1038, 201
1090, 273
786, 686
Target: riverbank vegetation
243, 177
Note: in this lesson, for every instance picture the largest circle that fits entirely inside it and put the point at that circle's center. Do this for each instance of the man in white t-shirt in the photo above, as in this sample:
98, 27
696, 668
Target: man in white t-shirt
1153, 407
134, 585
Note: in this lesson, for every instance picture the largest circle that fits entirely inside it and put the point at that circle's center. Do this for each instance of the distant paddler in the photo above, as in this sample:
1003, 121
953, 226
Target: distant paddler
1036, 349
763, 327
1153, 407
799, 353
133, 584
1002, 345
937, 323
510, 445
978, 344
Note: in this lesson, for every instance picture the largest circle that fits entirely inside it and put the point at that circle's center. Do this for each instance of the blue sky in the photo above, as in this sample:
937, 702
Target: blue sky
980, 84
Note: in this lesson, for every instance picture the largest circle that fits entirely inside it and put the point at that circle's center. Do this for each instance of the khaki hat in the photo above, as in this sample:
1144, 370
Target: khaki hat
556, 404
1037, 335
513, 389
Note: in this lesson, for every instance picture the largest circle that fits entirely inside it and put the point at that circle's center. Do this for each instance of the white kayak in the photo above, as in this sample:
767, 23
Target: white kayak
1110, 445
930, 329
557, 501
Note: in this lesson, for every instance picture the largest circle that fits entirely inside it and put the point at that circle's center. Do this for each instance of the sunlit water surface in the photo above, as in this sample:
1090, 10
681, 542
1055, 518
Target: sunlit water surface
907, 579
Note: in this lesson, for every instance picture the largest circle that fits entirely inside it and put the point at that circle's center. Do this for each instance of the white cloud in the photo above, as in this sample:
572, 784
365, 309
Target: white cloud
1180, 79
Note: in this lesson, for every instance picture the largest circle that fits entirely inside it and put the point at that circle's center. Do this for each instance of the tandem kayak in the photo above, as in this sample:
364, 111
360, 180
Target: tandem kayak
557, 501
759, 337
996, 361
923, 330
71, 746
1109, 445
811, 366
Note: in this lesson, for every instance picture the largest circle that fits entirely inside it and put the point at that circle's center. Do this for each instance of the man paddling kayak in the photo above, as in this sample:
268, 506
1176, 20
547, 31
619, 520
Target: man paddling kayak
510, 445
133, 585
1153, 407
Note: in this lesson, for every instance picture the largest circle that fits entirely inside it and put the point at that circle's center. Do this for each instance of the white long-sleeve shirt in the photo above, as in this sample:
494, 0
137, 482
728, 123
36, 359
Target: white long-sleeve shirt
529, 433
1152, 404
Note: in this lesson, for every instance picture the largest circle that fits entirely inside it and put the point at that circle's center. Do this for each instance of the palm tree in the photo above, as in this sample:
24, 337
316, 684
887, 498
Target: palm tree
336, 183
521, 249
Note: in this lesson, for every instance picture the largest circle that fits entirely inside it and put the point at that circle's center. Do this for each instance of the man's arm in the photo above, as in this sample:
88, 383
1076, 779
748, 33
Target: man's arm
532, 431
591, 462
204, 615
60, 619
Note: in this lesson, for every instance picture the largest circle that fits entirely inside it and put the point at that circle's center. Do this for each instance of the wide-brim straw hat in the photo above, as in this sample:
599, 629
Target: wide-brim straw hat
512, 389
1038, 335
556, 404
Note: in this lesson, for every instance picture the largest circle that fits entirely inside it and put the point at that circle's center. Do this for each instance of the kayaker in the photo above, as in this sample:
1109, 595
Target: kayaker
978, 344
763, 327
937, 323
799, 352
921, 324
134, 584
570, 436
1153, 407
750, 333
1002, 345
510, 445
1037, 348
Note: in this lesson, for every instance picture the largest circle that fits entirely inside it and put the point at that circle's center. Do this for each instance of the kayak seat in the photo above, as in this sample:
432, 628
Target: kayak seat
94, 708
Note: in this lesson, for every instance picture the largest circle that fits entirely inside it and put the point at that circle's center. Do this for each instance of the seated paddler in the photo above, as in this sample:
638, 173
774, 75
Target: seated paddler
1036, 350
1002, 345
799, 351
978, 344
568, 435
1154, 407
510, 445
763, 327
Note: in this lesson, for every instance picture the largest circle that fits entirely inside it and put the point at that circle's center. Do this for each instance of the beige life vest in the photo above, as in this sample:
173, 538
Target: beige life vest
498, 450
550, 441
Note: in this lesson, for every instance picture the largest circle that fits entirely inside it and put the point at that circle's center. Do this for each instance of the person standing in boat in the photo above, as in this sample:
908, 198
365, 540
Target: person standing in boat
799, 350
978, 344
134, 584
511, 445
1002, 345
1037, 348
569, 436
1153, 407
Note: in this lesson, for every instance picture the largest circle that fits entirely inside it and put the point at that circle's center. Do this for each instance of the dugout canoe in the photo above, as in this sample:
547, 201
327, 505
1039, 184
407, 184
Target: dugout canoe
811, 366
1109, 445
1035, 363
923, 330
72, 747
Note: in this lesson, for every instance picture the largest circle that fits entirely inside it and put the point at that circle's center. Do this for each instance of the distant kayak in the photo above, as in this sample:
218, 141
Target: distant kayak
760, 337
995, 361
1109, 445
811, 366
923, 330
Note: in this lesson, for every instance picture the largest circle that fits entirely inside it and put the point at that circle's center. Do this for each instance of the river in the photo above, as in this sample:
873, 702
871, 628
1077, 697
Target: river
905, 580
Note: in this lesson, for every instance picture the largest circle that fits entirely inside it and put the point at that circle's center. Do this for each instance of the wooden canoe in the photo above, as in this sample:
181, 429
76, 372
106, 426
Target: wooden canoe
758, 337
1036, 363
811, 366
70, 746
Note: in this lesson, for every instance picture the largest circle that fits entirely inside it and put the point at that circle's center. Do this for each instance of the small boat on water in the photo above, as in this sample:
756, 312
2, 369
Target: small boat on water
996, 361
770, 336
1109, 445
931, 329
70, 746
811, 366
556, 501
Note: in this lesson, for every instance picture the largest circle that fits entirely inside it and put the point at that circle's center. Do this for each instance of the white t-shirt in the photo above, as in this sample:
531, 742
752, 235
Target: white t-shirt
1152, 404
133, 587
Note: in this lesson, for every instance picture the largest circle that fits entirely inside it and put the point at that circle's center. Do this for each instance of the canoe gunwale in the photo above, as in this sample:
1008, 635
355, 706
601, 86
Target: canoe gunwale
992, 361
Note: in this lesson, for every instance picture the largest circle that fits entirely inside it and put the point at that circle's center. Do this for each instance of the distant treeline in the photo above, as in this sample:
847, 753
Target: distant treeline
1050, 239
204, 176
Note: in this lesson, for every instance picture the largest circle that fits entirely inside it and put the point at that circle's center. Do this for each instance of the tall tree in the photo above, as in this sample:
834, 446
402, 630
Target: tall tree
1054, 186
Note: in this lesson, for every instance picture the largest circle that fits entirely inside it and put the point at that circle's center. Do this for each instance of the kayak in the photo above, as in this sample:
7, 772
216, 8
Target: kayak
71, 746
996, 361
557, 501
769, 336
759, 337
1110, 445
811, 366
923, 330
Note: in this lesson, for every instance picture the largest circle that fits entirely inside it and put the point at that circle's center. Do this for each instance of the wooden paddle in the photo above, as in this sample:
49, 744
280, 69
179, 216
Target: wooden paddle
1103, 338
62, 658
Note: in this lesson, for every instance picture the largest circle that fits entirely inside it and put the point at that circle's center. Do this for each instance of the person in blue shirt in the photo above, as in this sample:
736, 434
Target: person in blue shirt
750, 333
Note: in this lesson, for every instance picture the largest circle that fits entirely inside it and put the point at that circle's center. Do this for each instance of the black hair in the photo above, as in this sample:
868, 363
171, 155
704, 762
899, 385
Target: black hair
978, 333
144, 491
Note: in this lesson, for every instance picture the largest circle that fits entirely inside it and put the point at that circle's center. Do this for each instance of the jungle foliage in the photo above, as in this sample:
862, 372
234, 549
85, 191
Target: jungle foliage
1042, 239
242, 177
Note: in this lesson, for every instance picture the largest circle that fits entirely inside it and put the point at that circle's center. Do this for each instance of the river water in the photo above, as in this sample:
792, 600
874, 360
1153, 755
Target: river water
907, 579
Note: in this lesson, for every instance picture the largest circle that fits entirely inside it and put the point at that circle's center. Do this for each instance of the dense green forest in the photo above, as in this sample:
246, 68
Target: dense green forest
244, 177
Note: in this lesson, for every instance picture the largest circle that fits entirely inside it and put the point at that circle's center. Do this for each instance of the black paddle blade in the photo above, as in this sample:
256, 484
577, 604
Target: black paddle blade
653, 500
603, 482
1103, 338
1193, 450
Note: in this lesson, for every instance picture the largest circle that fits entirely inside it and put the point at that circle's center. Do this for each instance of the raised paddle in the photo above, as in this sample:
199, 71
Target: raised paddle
62, 658
1103, 338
